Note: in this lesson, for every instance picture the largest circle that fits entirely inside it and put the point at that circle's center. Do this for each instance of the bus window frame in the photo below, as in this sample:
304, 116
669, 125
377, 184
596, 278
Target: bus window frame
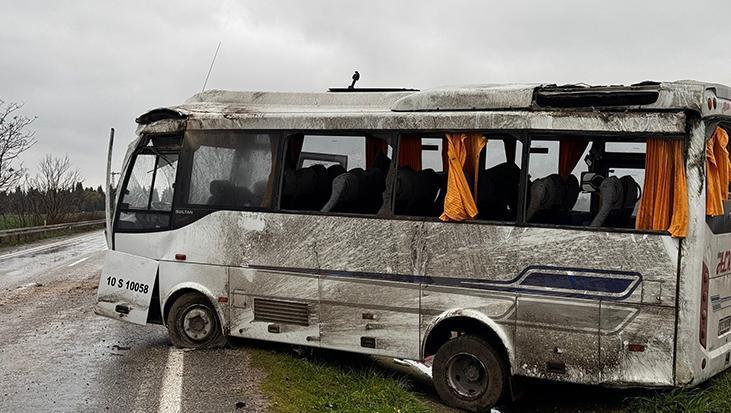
519, 136
184, 178
146, 150
712, 222
385, 212
393, 139
591, 136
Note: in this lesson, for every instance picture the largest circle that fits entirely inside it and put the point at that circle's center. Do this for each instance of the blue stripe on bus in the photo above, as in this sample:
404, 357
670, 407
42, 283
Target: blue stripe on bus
598, 290
582, 282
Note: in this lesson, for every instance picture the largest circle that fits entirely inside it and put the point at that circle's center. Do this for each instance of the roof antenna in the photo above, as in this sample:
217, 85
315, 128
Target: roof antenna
211, 68
356, 77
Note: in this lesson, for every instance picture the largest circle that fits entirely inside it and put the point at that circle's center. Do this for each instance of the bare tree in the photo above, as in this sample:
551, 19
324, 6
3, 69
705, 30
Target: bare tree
55, 183
14, 140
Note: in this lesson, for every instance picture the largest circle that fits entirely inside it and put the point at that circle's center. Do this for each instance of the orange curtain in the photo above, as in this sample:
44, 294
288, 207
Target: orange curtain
374, 146
409, 153
717, 172
664, 202
570, 151
459, 204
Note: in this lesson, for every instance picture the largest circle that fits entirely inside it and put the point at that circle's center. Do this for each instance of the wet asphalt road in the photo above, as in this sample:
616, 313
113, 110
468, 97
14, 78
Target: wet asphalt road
57, 355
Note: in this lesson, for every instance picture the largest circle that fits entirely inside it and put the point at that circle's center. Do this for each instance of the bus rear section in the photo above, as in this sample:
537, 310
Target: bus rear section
714, 286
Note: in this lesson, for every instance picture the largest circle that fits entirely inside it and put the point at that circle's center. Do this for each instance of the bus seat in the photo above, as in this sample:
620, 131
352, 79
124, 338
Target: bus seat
357, 191
333, 171
618, 199
611, 199
306, 188
417, 192
551, 198
222, 193
497, 192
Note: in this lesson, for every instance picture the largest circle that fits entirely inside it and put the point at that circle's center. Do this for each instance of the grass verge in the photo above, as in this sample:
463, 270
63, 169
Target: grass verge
320, 384
711, 397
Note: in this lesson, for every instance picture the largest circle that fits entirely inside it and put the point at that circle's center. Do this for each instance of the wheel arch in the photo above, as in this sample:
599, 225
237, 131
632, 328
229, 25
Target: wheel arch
188, 287
465, 321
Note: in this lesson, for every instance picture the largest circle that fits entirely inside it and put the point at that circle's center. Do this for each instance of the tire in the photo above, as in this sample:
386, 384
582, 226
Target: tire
469, 374
193, 322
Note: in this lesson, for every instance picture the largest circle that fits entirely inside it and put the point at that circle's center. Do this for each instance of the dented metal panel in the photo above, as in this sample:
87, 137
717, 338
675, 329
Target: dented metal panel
651, 122
248, 285
125, 287
392, 281
566, 304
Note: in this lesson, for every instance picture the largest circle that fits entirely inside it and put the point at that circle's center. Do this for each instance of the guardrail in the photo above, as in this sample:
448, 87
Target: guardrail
29, 232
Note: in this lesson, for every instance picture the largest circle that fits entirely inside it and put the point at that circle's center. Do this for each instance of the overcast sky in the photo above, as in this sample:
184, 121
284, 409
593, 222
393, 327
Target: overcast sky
82, 67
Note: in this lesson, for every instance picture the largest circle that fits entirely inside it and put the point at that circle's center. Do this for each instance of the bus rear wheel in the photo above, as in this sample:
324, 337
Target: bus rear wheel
469, 374
193, 322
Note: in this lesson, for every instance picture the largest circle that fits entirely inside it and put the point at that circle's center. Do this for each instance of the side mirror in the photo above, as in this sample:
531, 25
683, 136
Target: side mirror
590, 181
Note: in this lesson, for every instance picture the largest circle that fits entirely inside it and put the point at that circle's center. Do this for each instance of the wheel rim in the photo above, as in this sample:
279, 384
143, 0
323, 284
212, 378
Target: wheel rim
198, 323
467, 376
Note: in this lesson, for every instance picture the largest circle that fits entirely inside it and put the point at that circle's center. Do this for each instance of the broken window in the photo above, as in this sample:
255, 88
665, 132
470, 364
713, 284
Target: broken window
333, 173
589, 182
491, 173
718, 206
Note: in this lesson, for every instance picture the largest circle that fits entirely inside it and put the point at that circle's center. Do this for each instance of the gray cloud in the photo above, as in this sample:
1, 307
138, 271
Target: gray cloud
83, 66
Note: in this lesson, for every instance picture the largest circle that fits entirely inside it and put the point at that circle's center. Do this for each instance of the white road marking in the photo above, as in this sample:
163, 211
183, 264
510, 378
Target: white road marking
172, 383
78, 262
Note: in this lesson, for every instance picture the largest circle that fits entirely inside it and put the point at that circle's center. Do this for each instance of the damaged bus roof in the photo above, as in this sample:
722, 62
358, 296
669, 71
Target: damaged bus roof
460, 107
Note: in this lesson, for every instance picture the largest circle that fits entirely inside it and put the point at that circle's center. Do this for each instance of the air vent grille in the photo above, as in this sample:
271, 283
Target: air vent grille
285, 312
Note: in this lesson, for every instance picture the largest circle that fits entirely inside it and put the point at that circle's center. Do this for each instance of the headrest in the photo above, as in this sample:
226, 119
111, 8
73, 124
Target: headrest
221, 187
552, 192
612, 198
345, 188
335, 170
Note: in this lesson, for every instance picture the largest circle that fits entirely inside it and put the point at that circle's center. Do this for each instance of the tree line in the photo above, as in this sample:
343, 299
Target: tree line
55, 194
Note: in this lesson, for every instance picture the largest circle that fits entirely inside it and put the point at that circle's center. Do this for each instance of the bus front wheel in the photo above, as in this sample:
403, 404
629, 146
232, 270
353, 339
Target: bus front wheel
193, 322
469, 374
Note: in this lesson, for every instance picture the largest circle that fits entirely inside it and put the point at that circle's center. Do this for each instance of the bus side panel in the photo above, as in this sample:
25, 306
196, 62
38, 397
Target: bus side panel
373, 317
275, 306
125, 287
439, 303
719, 293
558, 339
369, 304
716, 276
637, 344
559, 277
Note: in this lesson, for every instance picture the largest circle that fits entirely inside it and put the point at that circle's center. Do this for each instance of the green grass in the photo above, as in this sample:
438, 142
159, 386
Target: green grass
10, 221
13, 221
711, 397
321, 384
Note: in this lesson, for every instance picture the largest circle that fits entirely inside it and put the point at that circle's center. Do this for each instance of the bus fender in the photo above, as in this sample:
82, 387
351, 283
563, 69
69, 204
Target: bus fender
474, 315
193, 286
